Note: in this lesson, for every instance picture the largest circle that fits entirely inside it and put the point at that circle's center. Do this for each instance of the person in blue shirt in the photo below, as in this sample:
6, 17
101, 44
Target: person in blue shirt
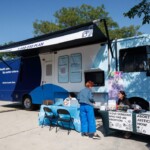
87, 117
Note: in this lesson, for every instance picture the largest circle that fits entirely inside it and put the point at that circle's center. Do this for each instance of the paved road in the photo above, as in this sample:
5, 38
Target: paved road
19, 130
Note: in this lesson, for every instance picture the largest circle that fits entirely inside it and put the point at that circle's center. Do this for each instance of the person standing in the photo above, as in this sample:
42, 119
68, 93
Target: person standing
87, 117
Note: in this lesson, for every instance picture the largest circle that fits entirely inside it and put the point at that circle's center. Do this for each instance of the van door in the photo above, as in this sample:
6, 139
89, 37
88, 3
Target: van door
47, 69
47, 76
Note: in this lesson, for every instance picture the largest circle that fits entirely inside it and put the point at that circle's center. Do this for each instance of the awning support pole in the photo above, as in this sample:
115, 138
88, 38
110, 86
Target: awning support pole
107, 34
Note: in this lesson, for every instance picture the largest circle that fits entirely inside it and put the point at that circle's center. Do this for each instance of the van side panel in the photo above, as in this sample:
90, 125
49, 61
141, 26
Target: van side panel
23, 77
9, 78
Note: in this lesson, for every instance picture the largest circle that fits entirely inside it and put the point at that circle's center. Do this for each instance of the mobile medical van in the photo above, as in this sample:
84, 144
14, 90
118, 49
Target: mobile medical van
51, 65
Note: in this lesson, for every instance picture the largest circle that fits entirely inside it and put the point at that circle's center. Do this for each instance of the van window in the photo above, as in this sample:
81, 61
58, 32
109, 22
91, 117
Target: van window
95, 76
48, 69
75, 67
63, 72
133, 59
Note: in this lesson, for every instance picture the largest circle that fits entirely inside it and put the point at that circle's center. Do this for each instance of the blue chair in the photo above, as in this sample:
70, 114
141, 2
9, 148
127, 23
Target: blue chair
49, 115
64, 117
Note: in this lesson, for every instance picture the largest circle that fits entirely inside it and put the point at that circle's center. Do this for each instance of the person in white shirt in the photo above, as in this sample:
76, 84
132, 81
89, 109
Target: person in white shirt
71, 100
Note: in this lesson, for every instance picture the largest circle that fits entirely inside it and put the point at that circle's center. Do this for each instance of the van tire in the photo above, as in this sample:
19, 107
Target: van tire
27, 103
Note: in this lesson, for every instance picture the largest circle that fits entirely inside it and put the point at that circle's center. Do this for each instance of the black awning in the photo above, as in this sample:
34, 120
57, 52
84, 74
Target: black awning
80, 35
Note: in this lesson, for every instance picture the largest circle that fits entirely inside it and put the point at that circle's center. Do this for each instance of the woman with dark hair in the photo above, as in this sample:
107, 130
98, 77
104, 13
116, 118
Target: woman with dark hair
122, 100
71, 100
87, 117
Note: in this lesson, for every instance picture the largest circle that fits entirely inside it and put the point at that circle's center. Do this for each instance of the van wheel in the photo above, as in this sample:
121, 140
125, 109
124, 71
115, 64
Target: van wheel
27, 103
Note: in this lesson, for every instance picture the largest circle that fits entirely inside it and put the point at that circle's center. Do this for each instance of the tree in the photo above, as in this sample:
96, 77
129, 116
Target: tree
7, 55
126, 32
43, 27
140, 10
7, 43
71, 16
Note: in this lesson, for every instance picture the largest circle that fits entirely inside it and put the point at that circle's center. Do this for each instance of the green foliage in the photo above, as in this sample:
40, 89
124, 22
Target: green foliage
7, 43
7, 55
43, 27
125, 32
67, 17
140, 10
72, 16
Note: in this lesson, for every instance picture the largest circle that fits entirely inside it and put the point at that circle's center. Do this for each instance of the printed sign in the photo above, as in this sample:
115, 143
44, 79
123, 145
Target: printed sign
143, 123
120, 121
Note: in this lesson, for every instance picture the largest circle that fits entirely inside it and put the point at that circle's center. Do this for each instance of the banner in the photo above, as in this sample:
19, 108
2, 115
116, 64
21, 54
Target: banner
115, 84
143, 123
120, 120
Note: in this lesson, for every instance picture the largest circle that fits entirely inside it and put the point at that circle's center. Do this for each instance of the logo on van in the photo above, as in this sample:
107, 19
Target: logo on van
87, 33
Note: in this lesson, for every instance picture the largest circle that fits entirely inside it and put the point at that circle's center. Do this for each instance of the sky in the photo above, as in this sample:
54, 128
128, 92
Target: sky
17, 16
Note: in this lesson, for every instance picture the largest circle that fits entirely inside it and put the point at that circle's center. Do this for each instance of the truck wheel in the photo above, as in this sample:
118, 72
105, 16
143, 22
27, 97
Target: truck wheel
27, 103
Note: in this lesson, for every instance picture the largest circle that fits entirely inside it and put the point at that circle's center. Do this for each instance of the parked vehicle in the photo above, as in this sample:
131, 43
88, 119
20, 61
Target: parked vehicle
51, 65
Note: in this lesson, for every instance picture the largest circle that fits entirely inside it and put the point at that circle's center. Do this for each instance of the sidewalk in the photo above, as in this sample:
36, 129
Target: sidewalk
20, 131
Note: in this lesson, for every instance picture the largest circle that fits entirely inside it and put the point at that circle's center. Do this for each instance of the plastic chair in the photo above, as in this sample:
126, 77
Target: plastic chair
49, 115
64, 117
